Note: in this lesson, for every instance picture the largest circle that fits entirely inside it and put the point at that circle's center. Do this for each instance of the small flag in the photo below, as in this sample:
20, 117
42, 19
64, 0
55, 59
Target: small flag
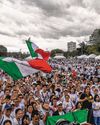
35, 51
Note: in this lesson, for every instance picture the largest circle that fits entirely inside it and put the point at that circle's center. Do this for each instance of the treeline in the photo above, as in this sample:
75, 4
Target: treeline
87, 47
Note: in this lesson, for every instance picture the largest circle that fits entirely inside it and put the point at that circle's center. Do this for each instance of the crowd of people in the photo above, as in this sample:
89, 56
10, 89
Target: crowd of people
72, 85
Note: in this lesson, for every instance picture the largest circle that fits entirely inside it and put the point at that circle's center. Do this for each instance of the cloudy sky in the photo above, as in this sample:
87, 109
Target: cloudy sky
49, 23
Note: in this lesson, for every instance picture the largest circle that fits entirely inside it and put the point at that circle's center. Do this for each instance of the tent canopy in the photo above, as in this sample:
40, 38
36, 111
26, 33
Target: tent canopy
97, 57
82, 57
92, 56
59, 57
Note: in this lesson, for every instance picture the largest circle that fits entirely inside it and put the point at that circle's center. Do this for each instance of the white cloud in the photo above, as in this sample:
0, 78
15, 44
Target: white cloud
51, 23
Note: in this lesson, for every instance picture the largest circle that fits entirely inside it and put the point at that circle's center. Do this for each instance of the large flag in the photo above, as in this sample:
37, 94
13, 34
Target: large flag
35, 51
79, 116
18, 69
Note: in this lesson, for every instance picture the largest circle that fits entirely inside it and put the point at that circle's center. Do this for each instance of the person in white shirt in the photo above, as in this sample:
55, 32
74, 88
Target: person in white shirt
19, 115
96, 109
1, 115
44, 95
68, 105
36, 119
7, 122
7, 113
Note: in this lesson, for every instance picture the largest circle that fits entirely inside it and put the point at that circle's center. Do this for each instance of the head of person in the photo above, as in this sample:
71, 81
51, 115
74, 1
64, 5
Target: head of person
7, 92
87, 90
38, 87
1, 111
96, 98
35, 118
65, 92
73, 90
54, 100
45, 106
44, 88
25, 120
8, 99
7, 122
30, 108
78, 105
95, 91
59, 106
20, 97
19, 113
67, 97
8, 110
30, 95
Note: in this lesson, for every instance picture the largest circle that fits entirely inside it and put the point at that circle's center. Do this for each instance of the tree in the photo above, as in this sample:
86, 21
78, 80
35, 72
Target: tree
56, 51
83, 48
95, 37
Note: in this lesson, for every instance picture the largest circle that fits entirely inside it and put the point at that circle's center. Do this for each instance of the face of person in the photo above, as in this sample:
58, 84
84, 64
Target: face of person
19, 114
26, 121
79, 106
20, 98
72, 90
8, 123
54, 102
30, 109
8, 112
97, 98
44, 88
60, 108
87, 90
7, 92
35, 119
38, 87
67, 98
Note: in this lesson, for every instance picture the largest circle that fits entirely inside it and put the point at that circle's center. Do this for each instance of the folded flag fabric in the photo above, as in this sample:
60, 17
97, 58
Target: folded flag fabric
79, 116
35, 51
18, 69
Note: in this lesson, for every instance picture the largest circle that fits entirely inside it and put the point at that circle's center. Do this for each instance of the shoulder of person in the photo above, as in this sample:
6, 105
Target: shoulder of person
41, 122
83, 95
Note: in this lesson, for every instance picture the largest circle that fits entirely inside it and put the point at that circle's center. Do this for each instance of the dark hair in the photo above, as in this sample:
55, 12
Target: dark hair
25, 117
95, 97
8, 97
35, 113
86, 88
7, 121
77, 104
17, 110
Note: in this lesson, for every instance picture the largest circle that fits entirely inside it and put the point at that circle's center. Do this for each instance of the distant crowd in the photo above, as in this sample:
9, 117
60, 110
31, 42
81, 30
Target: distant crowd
72, 85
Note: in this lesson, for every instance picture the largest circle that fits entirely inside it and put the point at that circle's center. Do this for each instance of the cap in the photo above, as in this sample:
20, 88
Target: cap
59, 103
8, 107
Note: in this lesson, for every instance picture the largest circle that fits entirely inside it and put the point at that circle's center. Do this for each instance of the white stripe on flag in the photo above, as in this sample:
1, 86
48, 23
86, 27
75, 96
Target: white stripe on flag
26, 69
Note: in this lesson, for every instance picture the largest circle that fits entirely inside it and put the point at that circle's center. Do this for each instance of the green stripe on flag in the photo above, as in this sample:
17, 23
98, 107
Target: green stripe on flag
11, 69
32, 52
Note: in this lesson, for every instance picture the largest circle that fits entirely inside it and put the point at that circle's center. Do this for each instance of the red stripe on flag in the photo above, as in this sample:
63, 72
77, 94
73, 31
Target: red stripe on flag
40, 64
43, 53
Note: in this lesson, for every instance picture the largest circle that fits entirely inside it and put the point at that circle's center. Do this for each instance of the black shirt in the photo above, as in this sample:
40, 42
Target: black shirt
86, 104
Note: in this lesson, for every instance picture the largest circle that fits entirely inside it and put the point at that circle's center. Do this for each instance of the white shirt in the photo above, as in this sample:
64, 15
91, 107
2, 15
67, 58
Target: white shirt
6, 118
40, 123
68, 106
96, 105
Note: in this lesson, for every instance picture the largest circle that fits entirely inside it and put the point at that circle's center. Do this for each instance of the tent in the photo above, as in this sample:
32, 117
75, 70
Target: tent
82, 57
91, 56
59, 57
97, 57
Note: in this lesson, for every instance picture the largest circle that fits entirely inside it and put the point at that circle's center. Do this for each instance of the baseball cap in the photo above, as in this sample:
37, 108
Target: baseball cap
8, 107
59, 103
